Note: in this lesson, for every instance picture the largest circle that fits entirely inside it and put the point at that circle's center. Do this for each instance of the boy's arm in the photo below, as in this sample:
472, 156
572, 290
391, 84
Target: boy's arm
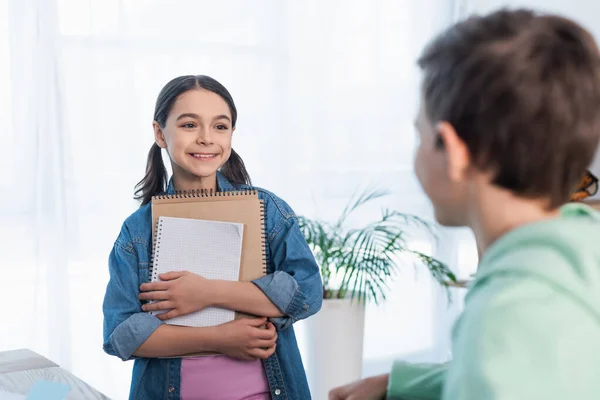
416, 381
405, 382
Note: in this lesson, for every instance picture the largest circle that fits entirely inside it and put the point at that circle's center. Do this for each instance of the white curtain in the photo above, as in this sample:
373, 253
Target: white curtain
326, 92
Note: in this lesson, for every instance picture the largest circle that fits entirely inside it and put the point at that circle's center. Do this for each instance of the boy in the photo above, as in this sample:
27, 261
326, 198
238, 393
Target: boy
509, 121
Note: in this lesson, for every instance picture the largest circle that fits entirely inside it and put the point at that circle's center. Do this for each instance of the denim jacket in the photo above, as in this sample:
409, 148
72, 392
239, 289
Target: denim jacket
293, 284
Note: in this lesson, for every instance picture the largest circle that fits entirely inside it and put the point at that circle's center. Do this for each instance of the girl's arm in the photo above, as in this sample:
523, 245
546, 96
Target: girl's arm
243, 339
172, 341
244, 297
293, 292
130, 333
182, 292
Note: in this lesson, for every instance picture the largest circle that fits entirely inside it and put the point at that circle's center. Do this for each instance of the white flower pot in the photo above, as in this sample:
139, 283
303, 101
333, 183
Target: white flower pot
334, 345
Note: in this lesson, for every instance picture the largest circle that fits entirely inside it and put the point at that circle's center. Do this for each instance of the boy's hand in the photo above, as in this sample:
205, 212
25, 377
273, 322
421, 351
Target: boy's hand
246, 339
180, 292
374, 388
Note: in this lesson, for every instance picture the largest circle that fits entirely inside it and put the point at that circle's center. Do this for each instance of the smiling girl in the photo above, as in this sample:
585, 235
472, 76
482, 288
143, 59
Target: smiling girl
194, 121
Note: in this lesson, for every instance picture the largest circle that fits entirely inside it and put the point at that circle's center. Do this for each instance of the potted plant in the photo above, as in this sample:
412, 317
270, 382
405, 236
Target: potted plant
357, 265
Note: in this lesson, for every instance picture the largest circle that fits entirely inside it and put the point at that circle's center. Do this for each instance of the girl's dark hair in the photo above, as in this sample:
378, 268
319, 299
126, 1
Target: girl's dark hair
155, 180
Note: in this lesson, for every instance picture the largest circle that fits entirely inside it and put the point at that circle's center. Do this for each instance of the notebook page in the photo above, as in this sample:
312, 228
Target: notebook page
211, 249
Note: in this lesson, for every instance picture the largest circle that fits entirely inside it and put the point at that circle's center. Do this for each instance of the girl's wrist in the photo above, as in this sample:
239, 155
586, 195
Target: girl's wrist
211, 339
218, 293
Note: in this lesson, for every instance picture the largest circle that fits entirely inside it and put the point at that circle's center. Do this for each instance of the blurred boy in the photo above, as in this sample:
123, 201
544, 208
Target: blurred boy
509, 121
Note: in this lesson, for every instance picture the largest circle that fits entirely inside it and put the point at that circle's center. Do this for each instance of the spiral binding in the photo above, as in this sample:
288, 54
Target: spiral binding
188, 194
263, 237
155, 251
154, 256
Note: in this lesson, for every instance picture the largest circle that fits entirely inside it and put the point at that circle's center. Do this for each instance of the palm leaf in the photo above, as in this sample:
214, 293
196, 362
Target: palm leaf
358, 200
366, 258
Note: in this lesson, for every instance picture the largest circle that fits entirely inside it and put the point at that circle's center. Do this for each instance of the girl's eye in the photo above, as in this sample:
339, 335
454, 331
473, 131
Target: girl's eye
189, 125
222, 127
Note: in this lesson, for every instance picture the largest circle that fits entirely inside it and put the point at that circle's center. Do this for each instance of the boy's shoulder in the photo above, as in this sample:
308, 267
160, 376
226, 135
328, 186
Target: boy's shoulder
554, 249
558, 258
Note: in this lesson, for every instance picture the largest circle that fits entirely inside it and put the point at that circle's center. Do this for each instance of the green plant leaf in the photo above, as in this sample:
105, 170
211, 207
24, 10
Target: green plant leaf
358, 200
366, 258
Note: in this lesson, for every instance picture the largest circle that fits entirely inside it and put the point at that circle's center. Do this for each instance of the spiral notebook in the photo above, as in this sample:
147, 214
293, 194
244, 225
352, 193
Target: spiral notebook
241, 207
211, 249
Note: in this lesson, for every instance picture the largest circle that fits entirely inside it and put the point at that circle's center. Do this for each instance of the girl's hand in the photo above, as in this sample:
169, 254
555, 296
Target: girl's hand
180, 292
245, 339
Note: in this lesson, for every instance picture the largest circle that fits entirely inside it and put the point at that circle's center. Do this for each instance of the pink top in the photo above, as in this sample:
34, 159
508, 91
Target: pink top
222, 377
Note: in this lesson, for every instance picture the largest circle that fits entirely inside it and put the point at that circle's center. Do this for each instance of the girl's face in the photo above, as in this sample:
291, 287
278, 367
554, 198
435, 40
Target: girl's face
197, 136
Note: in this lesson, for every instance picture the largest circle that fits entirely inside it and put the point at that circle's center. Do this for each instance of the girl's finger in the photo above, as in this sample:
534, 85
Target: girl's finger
271, 350
256, 322
155, 295
151, 286
158, 306
168, 276
257, 353
168, 315
264, 344
266, 334
262, 353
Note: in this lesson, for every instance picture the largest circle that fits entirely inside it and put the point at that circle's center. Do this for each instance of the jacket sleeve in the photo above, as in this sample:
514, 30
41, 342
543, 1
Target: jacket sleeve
126, 327
295, 287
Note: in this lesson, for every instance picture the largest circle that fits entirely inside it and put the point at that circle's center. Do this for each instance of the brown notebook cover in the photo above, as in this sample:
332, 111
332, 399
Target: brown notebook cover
240, 206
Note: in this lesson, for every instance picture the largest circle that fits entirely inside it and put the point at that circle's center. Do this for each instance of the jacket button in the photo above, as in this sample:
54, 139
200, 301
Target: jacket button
306, 307
277, 392
171, 389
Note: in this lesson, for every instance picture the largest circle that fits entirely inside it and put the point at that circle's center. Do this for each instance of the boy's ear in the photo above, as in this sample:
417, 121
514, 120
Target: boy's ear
159, 136
457, 152
439, 142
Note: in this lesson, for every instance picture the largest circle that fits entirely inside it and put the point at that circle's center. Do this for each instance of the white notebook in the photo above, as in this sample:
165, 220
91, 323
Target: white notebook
211, 249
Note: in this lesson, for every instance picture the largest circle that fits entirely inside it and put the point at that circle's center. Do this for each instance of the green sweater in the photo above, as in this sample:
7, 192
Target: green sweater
531, 325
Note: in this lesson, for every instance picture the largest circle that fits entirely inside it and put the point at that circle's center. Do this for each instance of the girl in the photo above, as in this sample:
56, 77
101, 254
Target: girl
194, 121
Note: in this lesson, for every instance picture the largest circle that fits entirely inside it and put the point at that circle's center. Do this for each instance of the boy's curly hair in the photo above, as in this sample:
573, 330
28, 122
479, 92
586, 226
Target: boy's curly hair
522, 90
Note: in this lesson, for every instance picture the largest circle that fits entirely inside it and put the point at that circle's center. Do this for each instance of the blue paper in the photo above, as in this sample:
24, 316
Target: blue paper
48, 390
